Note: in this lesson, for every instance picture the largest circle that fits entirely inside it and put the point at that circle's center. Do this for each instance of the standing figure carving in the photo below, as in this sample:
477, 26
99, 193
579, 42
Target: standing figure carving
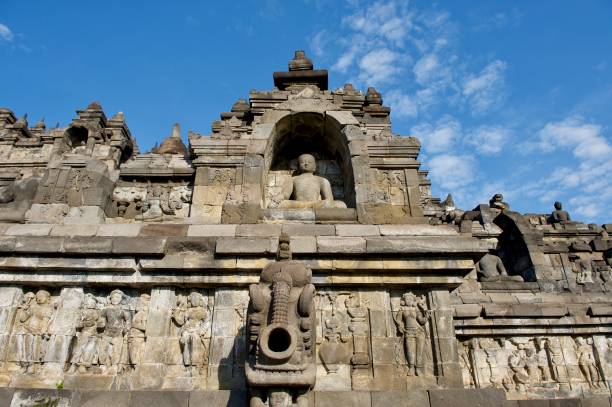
411, 321
115, 322
136, 337
193, 317
586, 362
84, 353
280, 365
35, 316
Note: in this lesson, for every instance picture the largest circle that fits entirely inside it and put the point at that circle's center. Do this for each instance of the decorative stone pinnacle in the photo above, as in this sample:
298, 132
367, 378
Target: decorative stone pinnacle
300, 62
40, 124
94, 106
176, 131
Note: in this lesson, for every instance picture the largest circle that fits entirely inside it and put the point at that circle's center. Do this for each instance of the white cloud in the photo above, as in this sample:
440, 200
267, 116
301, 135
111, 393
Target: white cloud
378, 66
345, 60
388, 20
318, 43
585, 139
489, 140
403, 105
451, 172
438, 138
6, 34
425, 68
486, 88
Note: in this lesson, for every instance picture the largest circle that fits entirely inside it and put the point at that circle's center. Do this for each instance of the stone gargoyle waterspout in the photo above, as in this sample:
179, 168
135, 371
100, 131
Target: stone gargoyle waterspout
280, 365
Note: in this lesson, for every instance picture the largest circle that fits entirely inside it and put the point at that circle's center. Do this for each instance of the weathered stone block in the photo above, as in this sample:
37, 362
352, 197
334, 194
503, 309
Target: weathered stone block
466, 398
246, 245
7, 244
88, 245
229, 398
74, 230
411, 398
343, 245
212, 230
102, 399
29, 230
139, 245
309, 230
42, 397
467, 310
164, 230
342, 398
357, 230
27, 244
159, 398
304, 244
266, 230
416, 230
191, 244
127, 230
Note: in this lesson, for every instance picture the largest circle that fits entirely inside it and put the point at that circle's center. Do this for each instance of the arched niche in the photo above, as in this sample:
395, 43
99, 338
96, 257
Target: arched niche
314, 133
512, 249
76, 136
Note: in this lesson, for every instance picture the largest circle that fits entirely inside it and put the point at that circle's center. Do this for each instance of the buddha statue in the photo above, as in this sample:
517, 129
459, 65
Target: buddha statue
490, 268
307, 190
559, 215
497, 202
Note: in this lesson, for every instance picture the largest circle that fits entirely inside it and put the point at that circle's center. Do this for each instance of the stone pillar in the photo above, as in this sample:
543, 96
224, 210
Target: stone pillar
63, 328
161, 361
9, 300
227, 343
446, 356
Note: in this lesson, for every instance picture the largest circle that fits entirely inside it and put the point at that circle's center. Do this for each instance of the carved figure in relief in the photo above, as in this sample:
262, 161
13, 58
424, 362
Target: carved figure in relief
411, 321
84, 353
586, 362
358, 326
115, 322
334, 349
16, 198
517, 361
35, 316
307, 190
281, 321
194, 319
136, 336
491, 268
559, 215
584, 273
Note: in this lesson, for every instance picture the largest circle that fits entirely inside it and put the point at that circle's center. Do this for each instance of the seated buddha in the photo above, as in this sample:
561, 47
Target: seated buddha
307, 190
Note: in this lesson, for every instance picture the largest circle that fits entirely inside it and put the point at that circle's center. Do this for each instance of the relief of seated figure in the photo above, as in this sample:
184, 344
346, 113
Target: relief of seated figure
490, 268
307, 190
16, 198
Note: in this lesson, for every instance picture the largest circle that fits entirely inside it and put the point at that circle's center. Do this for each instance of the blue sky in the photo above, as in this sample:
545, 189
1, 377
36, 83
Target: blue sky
511, 97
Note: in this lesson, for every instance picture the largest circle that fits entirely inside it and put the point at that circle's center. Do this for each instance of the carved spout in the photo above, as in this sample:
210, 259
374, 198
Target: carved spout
280, 298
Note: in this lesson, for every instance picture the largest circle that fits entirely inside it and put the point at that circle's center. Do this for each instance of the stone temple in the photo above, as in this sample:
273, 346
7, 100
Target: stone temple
293, 256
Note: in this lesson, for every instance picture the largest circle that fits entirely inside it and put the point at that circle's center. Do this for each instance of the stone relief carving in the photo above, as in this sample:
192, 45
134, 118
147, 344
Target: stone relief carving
280, 363
32, 333
335, 349
360, 330
16, 198
586, 362
115, 321
153, 204
192, 315
411, 321
85, 353
137, 334
532, 364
